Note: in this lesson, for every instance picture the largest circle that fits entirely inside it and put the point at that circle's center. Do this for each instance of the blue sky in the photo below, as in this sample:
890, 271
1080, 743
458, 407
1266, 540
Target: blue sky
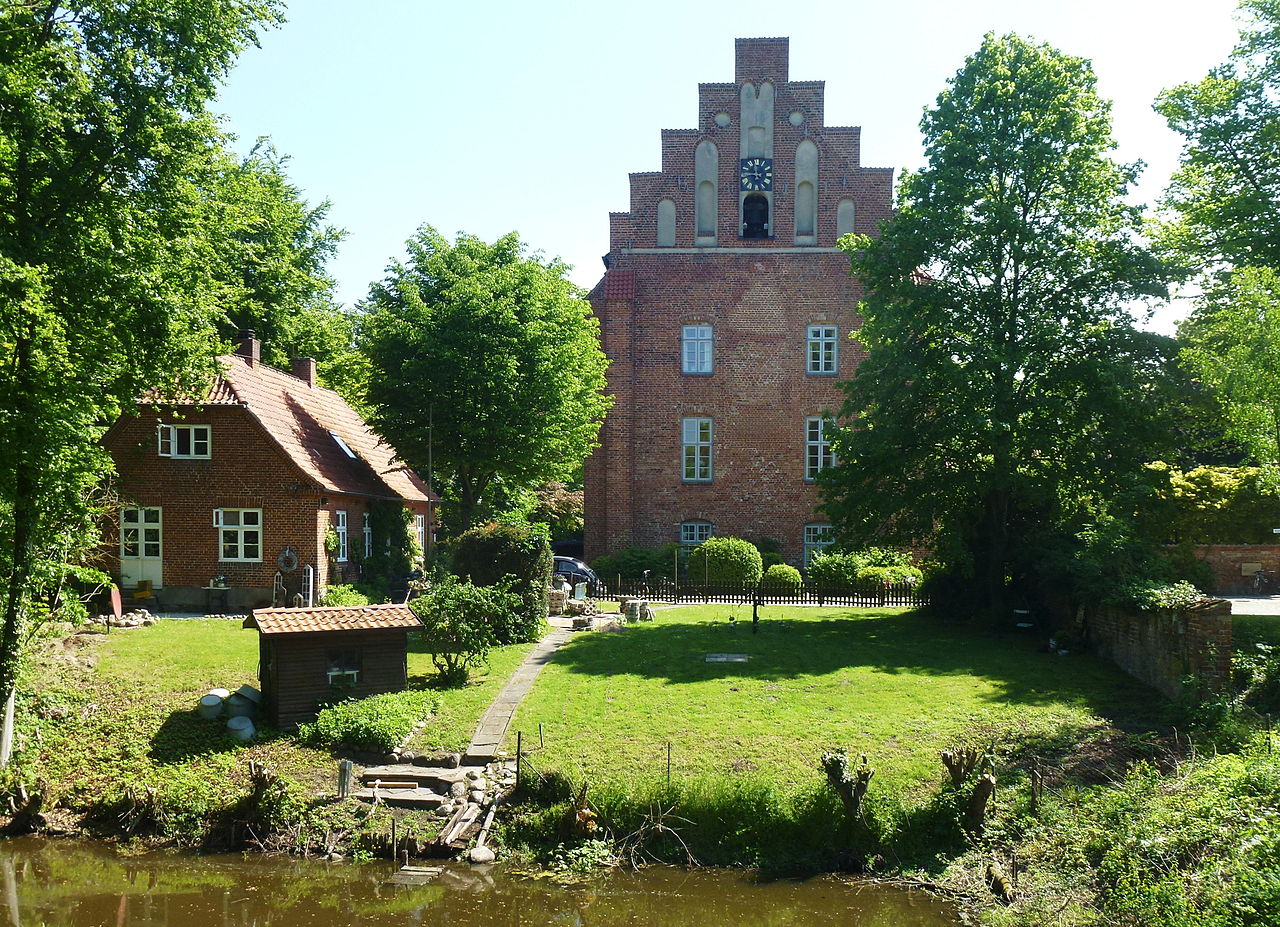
491, 117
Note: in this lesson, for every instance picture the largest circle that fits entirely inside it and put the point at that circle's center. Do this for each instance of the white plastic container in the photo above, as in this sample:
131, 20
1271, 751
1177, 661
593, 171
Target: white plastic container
221, 693
241, 728
210, 706
238, 706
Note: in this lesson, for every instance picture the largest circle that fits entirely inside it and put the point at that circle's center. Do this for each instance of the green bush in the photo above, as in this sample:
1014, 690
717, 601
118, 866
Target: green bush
378, 723
487, 555
770, 552
725, 560
343, 595
782, 575
874, 565
462, 621
1150, 596
630, 563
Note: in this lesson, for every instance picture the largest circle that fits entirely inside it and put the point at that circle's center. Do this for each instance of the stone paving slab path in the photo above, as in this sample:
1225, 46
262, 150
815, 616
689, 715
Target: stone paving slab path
492, 730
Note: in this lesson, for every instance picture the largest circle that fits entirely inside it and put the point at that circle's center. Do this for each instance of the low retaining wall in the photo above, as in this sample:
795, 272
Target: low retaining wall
1163, 648
1230, 562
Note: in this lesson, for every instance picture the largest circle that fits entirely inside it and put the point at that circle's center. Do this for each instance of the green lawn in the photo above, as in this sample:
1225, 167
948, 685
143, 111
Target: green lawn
109, 711
891, 683
1248, 630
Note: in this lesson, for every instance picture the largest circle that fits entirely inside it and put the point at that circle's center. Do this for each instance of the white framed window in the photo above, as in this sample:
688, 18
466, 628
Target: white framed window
817, 538
340, 525
140, 529
696, 440
693, 533
817, 447
239, 534
368, 537
183, 440
696, 349
344, 668
420, 532
823, 352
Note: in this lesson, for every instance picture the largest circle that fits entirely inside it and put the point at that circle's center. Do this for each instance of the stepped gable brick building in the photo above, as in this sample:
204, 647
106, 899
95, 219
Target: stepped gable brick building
247, 483
726, 311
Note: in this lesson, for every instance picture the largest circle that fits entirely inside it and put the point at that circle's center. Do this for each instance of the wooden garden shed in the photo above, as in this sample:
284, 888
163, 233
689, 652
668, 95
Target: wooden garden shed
310, 656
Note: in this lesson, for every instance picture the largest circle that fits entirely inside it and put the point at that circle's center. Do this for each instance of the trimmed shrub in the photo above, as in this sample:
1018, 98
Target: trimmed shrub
462, 621
725, 560
343, 595
1149, 596
487, 555
879, 565
770, 552
782, 575
630, 563
379, 723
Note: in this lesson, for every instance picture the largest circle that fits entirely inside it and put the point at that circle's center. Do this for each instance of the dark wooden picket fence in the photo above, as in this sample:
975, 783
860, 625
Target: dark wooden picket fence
865, 595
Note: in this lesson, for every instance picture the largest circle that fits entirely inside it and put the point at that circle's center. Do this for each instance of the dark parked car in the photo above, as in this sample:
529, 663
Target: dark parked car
575, 571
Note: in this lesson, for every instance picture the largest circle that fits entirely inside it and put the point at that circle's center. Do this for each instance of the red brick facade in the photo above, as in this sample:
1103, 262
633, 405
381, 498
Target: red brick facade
1233, 565
246, 468
760, 295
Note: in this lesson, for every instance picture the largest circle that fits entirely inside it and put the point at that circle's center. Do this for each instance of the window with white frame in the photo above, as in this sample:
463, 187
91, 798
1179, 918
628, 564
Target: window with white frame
696, 441
693, 533
817, 447
696, 350
368, 537
344, 668
823, 351
239, 533
183, 440
817, 538
420, 532
340, 526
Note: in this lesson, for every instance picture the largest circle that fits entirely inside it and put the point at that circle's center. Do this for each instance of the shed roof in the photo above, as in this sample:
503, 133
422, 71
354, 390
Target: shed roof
333, 618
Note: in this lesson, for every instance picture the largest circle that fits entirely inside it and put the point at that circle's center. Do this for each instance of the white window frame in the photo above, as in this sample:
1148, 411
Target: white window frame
143, 532
817, 447
693, 533
823, 350
817, 538
696, 453
199, 441
236, 531
340, 525
697, 349
368, 537
420, 529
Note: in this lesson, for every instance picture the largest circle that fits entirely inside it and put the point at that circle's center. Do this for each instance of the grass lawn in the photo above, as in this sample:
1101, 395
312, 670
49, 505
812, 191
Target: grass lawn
890, 683
109, 711
1248, 630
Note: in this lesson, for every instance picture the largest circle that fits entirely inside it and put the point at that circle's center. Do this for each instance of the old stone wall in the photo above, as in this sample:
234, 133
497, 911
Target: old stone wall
1234, 564
1166, 647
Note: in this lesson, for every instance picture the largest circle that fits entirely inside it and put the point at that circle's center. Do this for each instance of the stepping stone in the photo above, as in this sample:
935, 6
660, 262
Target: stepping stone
727, 658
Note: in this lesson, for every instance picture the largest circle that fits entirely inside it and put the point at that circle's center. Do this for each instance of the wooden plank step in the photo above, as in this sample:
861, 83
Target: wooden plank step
415, 875
433, 777
403, 798
469, 816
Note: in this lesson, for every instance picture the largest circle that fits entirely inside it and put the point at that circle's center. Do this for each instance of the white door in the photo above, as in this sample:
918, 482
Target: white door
141, 547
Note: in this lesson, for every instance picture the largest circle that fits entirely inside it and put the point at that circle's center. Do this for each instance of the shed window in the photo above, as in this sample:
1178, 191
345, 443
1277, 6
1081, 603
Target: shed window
344, 668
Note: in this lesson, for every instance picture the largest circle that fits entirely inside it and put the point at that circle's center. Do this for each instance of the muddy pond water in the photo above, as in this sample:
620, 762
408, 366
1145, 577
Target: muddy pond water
72, 884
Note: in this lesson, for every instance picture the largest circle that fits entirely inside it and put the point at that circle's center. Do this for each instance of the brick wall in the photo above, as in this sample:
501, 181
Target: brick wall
760, 296
1228, 562
1163, 648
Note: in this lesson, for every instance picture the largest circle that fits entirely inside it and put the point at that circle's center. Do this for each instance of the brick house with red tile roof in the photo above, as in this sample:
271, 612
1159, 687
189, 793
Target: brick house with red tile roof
246, 484
726, 311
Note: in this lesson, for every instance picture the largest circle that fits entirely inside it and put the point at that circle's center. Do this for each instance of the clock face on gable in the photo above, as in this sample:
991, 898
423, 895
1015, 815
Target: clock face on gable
757, 174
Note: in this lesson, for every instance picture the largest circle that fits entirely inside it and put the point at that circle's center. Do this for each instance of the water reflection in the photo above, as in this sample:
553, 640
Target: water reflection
87, 885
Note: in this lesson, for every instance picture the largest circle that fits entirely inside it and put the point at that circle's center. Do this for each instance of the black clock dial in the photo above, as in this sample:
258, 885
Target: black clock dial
757, 174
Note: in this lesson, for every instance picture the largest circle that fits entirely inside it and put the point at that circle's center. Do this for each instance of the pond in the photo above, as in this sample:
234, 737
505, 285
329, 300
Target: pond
74, 884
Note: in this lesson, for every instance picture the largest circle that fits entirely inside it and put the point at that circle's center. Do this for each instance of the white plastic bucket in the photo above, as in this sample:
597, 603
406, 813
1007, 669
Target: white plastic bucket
210, 706
241, 728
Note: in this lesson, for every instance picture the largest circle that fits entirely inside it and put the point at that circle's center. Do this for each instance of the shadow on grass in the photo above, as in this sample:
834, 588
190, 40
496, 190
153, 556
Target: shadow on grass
185, 735
906, 643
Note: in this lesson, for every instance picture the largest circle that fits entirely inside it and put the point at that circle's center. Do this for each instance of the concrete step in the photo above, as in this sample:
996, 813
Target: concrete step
403, 798
436, 778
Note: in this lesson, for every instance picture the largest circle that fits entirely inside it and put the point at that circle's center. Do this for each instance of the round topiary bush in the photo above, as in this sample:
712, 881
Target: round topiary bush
725, 560
485, 555
782, 576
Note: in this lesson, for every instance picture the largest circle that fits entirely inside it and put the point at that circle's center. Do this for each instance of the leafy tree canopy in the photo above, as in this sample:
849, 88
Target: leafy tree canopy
1006, 385
105, 264
1226, 195
488, 367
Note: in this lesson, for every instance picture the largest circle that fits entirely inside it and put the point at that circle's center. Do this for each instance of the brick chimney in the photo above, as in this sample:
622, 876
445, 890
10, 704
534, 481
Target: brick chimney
304, 368
250, 347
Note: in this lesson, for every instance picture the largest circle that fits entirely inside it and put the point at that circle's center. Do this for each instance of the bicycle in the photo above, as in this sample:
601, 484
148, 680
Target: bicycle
1265, 582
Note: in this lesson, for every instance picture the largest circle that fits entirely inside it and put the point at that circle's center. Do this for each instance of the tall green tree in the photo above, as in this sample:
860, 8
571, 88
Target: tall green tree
488, 367
272, 249
104, 257
1006, 387
1225, 197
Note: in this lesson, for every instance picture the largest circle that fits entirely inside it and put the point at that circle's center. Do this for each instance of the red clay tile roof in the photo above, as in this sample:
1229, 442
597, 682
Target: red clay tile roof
333, 618
619, 284
304, 419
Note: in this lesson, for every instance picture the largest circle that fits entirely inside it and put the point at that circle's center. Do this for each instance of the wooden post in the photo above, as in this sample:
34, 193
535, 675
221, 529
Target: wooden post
394, 840
541, 743
668, 765
519, 756
344, 778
